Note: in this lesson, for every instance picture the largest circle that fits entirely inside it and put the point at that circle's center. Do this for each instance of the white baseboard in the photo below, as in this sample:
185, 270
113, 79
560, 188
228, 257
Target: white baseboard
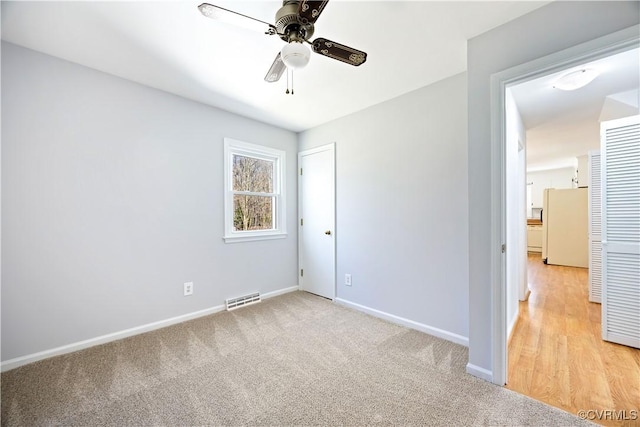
436, 332
479, 372
279, 292
69, 348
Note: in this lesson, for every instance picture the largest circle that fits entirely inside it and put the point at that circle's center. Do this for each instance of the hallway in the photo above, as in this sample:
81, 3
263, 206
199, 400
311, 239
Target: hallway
557, 355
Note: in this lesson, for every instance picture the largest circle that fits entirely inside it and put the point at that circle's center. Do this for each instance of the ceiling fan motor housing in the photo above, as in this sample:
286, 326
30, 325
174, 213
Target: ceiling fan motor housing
290, 25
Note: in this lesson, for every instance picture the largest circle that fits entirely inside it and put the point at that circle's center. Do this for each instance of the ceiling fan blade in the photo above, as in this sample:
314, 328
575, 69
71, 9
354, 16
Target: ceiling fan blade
276, 70
311, 10
339, 51
235, 18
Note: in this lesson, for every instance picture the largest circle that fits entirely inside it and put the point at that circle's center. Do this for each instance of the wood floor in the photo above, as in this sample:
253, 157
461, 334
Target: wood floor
557, 355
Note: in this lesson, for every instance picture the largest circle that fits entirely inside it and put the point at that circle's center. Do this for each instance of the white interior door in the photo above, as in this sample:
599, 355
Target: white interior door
316, 196
595, 247
620, 228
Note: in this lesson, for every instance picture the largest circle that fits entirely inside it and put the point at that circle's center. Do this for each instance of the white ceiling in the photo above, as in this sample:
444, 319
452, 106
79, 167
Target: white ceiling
564, 124
172, 47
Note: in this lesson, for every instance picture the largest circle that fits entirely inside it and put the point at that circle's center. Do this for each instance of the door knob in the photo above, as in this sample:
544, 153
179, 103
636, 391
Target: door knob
328, 232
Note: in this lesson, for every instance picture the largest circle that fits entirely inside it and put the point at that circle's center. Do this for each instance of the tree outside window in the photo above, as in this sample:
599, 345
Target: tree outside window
252, 211
254, 200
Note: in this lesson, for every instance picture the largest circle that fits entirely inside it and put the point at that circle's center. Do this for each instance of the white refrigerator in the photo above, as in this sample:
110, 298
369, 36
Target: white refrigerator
565, 227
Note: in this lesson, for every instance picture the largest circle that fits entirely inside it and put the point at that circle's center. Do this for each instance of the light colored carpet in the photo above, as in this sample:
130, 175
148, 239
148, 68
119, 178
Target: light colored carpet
296, 359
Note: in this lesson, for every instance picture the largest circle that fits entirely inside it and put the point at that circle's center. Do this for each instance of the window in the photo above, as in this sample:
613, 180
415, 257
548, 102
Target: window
254, 203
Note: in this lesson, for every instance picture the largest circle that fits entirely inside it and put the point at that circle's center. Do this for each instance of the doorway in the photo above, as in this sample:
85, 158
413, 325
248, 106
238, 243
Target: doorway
316, 222
573, 57
568, 296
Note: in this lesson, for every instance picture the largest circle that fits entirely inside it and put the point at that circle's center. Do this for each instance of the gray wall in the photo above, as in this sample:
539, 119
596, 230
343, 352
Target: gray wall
515, 190
402, 210
542, 32
112, 198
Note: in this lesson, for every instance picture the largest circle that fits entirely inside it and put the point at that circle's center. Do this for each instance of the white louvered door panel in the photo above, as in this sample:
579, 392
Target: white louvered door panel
595, 247
620, 179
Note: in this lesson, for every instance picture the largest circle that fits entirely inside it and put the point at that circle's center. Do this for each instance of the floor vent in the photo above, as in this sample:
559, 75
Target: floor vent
233, 303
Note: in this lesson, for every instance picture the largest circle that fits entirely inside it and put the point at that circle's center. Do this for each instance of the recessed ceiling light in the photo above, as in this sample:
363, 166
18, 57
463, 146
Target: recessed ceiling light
576, 79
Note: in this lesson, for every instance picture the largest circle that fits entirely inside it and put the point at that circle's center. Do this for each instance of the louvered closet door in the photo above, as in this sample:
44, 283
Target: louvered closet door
595, 246
620, 151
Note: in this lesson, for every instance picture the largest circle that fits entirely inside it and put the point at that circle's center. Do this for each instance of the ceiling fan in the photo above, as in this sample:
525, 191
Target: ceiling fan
294, 23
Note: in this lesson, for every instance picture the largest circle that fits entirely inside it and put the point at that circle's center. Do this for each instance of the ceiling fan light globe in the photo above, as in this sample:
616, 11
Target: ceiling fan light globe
295, 55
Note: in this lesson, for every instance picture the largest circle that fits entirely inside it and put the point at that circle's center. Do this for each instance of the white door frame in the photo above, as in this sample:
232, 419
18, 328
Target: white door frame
599, 48
332, 148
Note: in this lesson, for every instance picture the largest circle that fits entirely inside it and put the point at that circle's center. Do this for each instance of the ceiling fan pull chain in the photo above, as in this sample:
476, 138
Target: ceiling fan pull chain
292, 81
287, 92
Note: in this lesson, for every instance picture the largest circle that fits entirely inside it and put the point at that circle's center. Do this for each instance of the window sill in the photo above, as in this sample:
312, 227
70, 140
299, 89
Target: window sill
254, 237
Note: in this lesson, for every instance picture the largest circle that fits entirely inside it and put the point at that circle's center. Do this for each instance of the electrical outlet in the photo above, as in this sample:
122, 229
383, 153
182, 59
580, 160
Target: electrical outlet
347, 279
188, 288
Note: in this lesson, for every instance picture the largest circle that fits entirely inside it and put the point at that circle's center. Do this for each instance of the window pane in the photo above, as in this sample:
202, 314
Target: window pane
252, 213
251, 174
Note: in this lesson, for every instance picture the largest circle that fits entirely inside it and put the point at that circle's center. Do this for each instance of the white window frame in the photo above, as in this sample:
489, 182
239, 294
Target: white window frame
278, 157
